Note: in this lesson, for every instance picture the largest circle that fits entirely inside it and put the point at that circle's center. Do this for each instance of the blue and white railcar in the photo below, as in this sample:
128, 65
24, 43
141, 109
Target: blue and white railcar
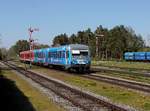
40, 56
35, 56
140, 56
148, 56
58, 56
74, 56
129, 56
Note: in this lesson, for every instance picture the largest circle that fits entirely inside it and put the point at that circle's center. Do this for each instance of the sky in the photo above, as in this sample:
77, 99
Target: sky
53, 17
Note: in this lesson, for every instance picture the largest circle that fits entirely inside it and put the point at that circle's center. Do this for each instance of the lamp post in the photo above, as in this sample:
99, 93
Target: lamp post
97, 42
31, 41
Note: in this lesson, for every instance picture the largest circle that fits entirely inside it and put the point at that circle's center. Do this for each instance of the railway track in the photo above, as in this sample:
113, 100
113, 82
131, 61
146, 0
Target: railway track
118, 81
124, 68
120, 70
78, 97
121, 82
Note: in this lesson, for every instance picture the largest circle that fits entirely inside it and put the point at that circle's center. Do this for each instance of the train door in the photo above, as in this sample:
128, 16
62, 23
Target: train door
46, 56
67, 57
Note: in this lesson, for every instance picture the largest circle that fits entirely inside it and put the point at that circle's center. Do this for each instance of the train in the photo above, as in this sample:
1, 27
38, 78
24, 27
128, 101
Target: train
72, 56
137, 56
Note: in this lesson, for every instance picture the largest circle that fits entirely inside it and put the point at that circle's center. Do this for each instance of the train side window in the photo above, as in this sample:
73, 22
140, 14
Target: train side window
63, 54
38, 55
52, 54
67, 54
55, 54
49, 54
43, 55
59, 54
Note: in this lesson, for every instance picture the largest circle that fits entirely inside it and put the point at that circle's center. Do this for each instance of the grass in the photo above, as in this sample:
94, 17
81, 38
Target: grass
123, 64
38, 100
115, 93
133, 77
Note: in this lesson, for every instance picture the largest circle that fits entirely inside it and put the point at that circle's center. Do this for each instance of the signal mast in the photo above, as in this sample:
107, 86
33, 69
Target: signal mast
31, 41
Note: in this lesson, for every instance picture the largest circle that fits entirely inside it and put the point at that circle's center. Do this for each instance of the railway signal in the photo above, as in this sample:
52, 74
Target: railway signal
97, 43
31, 40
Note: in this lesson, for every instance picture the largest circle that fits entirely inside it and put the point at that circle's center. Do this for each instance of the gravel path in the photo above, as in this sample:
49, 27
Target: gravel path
52, 96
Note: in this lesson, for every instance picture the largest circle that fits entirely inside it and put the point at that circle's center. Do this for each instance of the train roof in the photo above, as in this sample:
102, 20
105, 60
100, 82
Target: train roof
26, 51
78, 46
70, 46
63, 47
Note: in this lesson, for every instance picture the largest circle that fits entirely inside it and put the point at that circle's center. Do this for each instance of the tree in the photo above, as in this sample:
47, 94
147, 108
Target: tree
40, 46
90, 41
113, 44
73, 39
11, 52
103, 46
21, 45
123, 39
61, 39
3, 53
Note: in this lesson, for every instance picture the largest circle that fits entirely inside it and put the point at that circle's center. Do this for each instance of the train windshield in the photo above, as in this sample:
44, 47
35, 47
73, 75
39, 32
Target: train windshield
79, 54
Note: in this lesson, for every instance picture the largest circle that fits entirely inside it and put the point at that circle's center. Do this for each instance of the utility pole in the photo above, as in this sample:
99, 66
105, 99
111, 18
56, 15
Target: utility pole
97, 43
31, 41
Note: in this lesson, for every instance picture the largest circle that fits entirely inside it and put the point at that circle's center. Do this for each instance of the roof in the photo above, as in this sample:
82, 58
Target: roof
79, 46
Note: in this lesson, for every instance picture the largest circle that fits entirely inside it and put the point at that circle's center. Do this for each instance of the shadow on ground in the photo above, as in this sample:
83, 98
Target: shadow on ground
11, 98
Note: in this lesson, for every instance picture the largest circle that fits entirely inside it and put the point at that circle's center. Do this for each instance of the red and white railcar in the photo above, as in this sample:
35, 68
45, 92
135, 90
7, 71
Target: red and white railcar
27, 56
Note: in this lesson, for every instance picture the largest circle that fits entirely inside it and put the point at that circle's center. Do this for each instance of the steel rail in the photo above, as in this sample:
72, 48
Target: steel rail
120, 82
88, 102
125, 71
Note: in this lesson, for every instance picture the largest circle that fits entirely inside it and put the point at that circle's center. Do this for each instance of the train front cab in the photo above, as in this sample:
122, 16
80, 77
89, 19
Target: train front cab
80, 58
